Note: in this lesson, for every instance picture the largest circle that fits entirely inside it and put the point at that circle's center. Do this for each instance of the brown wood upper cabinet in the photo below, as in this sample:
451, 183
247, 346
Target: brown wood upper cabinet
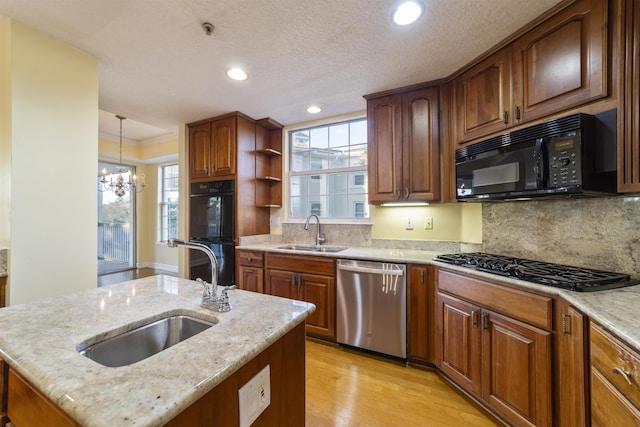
559, 64
404, 145
629, 139
212, 149
483, 96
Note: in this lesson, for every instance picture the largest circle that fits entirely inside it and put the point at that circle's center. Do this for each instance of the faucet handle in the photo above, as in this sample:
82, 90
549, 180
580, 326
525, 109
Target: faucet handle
206, 289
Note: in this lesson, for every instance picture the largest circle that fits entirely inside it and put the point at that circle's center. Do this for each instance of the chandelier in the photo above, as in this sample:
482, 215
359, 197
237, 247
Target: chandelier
120, 186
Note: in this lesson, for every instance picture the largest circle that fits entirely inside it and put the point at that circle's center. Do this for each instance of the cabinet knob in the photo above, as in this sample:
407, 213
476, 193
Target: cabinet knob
624, 375
249, 259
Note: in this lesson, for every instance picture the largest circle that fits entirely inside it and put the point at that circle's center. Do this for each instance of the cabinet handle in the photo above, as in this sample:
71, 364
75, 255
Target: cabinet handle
248, 270
422, 276
566, 324
249, 259
624, 374
505, 117
293, 280
485, 321
406, 192
474, 318
517, 113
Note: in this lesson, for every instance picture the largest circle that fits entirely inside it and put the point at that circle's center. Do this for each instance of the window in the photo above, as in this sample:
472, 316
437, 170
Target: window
168, 202
328, 170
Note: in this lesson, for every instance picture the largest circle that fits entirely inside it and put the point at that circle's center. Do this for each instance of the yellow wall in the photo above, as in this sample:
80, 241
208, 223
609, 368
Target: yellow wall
451, 222
50, 128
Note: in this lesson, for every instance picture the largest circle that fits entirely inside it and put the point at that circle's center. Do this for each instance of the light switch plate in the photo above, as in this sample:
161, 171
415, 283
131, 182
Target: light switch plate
255, 396
409, 224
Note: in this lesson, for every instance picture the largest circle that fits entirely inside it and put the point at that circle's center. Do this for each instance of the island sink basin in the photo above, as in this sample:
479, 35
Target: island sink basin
309, 248
144, 341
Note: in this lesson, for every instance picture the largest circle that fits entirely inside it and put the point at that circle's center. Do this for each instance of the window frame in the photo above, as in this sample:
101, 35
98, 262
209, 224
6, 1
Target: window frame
163, 204
313, 173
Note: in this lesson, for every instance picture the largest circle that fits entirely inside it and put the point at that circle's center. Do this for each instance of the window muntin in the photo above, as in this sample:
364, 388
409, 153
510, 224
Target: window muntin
328, 170
168, 208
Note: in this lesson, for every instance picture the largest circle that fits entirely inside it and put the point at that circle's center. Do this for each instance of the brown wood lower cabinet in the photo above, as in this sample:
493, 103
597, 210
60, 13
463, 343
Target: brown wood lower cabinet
615, 381
500, 359
3, 290
250, 273
305, 278
420, 307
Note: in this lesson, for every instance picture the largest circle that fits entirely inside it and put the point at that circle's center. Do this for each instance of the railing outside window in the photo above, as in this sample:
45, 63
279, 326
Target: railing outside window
115, 242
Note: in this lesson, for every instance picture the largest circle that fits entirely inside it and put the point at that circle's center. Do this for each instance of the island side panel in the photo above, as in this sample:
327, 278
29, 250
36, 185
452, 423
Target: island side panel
4, 385
286, 358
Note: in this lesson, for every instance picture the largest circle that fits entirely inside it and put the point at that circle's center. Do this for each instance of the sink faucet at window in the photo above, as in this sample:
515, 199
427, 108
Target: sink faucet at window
319, 237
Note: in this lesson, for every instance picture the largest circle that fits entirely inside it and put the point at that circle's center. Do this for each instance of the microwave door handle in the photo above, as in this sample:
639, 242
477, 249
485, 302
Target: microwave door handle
539, 166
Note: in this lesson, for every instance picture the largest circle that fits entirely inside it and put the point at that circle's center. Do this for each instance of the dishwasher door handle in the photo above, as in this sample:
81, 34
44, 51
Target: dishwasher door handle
378, 271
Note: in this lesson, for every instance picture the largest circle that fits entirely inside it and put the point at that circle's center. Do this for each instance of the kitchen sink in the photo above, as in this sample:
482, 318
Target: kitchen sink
310, 248
143, 341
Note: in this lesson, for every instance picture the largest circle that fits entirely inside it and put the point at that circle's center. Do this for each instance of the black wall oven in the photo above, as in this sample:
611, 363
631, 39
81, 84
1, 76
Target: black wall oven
212, 224
570, 156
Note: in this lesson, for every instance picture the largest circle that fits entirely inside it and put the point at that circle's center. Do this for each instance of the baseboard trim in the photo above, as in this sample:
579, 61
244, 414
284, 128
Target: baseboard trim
157, 266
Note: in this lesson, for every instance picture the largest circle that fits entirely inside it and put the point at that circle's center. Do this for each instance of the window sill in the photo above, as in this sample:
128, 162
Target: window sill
323, 221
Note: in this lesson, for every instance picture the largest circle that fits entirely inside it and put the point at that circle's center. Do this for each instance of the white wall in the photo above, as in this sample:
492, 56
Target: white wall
53, 143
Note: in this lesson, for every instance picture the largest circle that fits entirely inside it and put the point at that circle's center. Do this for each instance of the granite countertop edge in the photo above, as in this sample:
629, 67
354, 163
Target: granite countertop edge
36, 342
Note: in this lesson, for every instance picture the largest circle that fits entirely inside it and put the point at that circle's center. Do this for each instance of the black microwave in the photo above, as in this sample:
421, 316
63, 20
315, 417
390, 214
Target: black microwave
569, 156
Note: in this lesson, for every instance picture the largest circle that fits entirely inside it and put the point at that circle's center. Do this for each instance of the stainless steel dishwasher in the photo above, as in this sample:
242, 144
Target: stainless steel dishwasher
371, 310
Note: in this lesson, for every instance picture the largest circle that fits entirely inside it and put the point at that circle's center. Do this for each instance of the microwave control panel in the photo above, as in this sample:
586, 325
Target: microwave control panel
564, 161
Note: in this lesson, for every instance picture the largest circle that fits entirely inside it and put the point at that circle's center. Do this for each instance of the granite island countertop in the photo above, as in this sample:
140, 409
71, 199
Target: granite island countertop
39, 341
616, 310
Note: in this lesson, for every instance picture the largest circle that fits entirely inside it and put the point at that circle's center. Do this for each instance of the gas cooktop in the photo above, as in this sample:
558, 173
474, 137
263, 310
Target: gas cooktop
543, 273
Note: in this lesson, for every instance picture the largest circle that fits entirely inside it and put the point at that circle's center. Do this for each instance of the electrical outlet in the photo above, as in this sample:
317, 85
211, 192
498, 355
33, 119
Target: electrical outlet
274, 221
428, 223
409, 224
254, 397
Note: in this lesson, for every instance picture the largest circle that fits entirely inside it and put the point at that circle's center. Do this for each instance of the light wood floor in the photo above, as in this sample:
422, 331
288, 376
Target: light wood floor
345, 388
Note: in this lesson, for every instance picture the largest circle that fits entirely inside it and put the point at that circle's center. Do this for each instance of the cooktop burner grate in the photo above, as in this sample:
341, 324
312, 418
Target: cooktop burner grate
544, 273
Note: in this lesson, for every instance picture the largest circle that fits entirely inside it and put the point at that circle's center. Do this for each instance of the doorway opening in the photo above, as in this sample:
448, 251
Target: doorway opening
116, 224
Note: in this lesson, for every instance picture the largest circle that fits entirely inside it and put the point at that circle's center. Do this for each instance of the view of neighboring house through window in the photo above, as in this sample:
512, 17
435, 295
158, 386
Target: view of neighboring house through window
328, 170
168, 202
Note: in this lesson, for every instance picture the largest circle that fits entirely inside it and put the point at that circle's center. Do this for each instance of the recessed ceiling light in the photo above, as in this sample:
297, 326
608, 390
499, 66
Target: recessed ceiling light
407, 12
314, 109
237, 74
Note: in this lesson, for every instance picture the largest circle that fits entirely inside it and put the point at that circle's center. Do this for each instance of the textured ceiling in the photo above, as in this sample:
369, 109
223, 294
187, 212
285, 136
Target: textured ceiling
159, 68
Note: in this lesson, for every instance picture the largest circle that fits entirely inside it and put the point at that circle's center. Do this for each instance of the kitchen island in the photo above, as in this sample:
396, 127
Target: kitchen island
39, 343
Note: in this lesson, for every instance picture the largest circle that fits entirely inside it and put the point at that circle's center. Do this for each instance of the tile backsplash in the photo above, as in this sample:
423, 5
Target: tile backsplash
601, 233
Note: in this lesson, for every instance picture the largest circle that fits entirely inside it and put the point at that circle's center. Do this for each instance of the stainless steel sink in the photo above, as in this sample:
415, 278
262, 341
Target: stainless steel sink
144, 341
309, 248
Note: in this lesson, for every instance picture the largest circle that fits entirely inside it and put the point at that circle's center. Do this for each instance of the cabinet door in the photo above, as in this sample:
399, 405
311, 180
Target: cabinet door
224, 147
609, 407
420, 315
629, 144
421, 144
384, 148
199, 151
282, 283
483, 97
562, 63
459, 330
571, 372
320, 291
250, 279
516, 372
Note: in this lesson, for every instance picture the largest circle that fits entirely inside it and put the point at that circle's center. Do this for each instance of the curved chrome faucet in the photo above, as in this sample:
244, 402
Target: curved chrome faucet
319, 238
210, 297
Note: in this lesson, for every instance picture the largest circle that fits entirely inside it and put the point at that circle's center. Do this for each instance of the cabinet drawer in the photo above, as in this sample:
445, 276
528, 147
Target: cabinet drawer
530, 308
250, 258
307, 264
608, 406
609, 354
